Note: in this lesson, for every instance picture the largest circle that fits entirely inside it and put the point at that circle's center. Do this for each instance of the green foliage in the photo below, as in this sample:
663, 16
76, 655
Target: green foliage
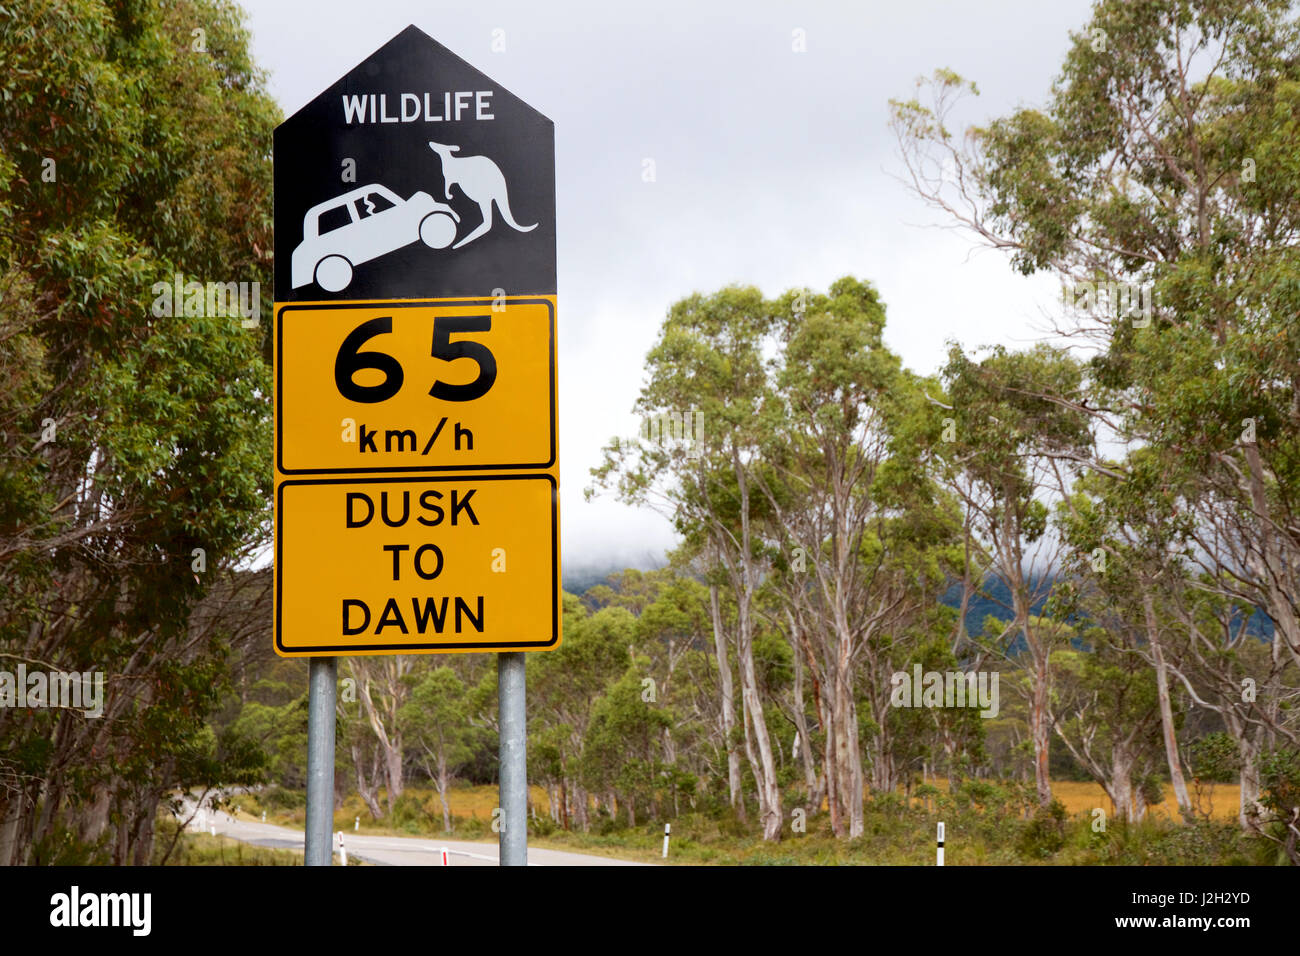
1280, 784
163, 426
283, 798
1214, 757
1044, 835
622, 749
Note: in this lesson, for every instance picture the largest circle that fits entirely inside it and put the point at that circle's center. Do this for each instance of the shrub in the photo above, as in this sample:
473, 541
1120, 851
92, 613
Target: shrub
278, 798
1045, 833
408, 811
475, 828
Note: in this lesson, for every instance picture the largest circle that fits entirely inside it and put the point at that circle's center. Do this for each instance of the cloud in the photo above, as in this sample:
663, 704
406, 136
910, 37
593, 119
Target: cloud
771, 168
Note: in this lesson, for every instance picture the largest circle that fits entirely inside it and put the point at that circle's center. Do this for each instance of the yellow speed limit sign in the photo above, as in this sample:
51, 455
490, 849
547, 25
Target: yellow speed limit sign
411, 386
378, 549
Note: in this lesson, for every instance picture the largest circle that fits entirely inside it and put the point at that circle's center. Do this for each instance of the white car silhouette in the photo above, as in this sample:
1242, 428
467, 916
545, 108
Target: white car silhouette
365, 224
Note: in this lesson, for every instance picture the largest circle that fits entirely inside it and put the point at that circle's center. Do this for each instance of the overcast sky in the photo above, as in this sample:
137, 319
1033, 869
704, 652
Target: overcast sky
773, 168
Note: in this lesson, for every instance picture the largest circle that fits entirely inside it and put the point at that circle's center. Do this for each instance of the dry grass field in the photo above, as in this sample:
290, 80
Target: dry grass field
1079, 797
1221, 799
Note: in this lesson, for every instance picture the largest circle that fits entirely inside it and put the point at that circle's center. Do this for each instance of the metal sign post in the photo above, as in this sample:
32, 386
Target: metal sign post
514, 760
321, 683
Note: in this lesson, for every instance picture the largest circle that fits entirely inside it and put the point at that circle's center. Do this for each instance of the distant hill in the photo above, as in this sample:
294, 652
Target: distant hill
982, 606
578, 579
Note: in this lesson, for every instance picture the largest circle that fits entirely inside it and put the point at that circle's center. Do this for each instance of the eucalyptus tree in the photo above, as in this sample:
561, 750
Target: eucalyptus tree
1164, 167
707, 369
1013, 416
563, 688
857, 516
436, 717
133, 445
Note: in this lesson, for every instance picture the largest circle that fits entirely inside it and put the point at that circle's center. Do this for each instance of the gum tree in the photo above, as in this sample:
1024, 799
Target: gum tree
1006, 435
1167, 156
709, 360
856, 518
132, 446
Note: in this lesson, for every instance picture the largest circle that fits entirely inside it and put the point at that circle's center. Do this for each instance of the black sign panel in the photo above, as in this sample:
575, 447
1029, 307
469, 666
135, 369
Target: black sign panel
414, 176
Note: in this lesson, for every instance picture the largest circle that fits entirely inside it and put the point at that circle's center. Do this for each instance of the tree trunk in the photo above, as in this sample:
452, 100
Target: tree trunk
442, 795
1120, 789
365, 787
769, 803
800, 718
1168, 731
728, 692
1041, 729
848, 755
580, 814
1247, 815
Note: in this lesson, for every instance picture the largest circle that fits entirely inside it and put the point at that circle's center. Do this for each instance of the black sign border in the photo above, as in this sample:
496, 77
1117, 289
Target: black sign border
405, 303
340, 650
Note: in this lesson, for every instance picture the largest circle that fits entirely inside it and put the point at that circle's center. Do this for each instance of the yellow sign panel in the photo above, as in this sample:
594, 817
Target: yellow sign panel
416, 475
416, 565
416, 386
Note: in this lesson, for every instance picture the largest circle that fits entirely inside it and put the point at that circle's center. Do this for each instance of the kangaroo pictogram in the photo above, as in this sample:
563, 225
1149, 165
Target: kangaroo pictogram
481, 181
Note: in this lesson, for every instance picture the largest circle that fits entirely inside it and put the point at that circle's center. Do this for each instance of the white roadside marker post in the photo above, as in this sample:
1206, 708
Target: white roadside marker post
343, 851
356, 825
940, 860
667, 828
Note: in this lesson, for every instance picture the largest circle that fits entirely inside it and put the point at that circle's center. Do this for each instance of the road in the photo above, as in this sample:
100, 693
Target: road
390, 850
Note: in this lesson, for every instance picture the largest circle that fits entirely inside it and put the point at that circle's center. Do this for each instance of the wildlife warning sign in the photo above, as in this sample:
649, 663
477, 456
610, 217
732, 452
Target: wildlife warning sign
414, 177
416, 448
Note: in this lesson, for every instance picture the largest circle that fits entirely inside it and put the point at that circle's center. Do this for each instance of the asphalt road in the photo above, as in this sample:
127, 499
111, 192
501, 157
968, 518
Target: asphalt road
390, 850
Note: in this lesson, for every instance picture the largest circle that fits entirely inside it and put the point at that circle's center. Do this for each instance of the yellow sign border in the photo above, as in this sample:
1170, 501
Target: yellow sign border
281, 308
367, 650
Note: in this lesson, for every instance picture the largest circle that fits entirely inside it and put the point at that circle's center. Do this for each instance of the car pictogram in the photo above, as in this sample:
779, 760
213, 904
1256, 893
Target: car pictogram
366, 223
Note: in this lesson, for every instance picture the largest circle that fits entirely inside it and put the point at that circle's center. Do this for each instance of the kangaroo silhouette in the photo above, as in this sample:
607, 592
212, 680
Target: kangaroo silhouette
481, 181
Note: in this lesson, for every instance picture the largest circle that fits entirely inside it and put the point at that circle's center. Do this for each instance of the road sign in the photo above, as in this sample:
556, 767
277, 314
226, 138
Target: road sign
416, 386
414, 176
416, 453
412, 565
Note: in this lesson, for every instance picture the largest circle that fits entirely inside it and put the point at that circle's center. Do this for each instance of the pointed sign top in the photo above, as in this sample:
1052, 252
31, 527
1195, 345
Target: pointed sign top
414, 176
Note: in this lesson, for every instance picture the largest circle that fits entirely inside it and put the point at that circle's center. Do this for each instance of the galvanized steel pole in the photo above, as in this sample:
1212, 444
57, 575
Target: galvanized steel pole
321, 682
514, 760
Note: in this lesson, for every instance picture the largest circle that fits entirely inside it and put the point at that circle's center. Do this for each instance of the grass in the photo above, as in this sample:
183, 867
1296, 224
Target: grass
991, 833
202, 849
1082, 796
